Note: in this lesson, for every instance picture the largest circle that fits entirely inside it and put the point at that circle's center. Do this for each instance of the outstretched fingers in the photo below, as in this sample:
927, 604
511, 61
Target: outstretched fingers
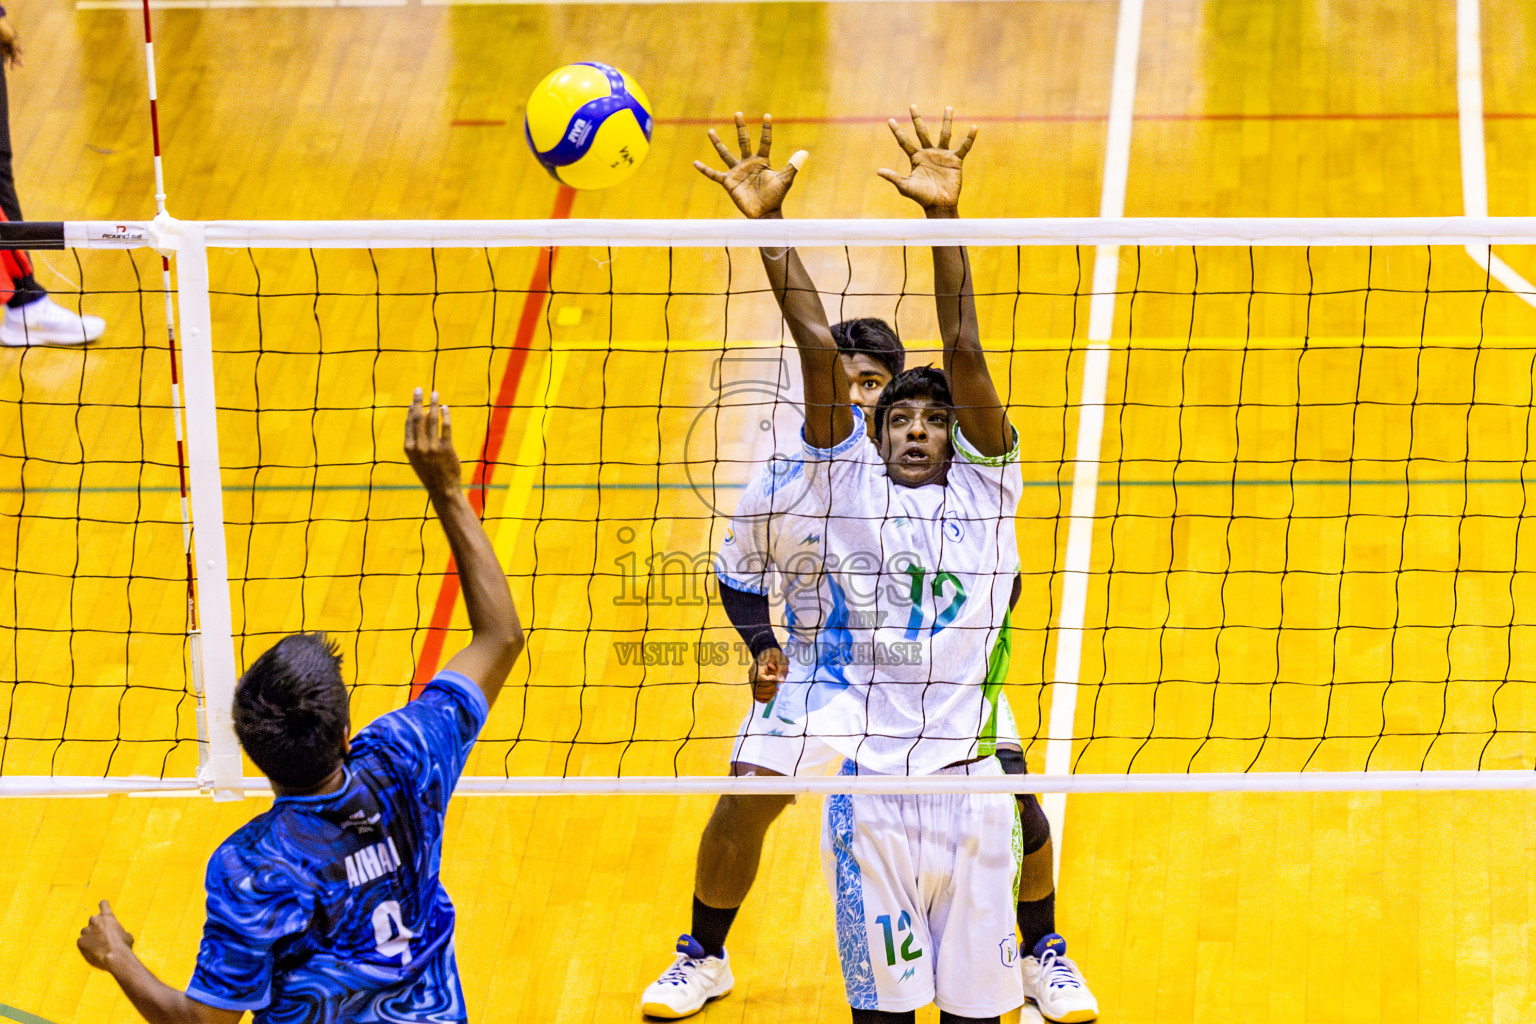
413, 419
718, 177
944, 128
908, 146
765, 140
725, 154
891, 176
791, 168
743, 137
434, 419
920, 128
966, 143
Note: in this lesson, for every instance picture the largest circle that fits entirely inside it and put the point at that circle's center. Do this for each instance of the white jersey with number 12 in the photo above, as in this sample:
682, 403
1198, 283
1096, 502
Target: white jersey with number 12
895, 597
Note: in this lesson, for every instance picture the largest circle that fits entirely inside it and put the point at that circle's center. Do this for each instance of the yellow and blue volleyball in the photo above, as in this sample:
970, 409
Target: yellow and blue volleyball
589, 124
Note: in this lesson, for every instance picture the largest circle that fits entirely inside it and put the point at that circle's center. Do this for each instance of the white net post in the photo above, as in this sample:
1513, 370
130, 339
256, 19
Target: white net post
221, 768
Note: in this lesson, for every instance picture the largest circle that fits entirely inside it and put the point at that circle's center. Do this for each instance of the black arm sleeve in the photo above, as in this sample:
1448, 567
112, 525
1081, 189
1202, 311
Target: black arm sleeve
749, 614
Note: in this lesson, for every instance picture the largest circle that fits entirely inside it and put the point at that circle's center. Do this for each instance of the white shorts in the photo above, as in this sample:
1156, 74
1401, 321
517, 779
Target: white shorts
778, 742
925, 889
770, 739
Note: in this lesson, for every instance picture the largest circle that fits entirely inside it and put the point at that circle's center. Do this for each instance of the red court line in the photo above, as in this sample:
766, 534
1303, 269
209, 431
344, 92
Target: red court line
1403, 115
495, 434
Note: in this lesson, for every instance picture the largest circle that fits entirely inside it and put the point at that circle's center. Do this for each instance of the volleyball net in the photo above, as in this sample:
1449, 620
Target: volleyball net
1275, 490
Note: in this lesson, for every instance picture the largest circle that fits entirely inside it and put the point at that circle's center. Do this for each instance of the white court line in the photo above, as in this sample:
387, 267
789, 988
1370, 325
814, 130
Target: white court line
165, 5
169, 5
579, 3
1090, 422
1474, 152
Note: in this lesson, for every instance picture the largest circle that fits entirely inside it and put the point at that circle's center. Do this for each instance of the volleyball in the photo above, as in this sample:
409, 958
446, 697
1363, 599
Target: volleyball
589, 124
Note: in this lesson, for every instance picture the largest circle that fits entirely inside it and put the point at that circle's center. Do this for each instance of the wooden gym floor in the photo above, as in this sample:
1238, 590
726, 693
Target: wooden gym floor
1214, 523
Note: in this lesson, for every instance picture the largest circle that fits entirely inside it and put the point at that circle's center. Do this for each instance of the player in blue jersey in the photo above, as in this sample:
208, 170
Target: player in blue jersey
328, 907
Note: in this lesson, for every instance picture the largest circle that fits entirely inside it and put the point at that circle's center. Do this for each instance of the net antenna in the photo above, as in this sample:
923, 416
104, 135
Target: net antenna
218, 769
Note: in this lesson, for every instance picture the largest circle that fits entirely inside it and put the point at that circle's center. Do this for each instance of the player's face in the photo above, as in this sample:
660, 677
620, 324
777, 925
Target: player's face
867, 377
915, 444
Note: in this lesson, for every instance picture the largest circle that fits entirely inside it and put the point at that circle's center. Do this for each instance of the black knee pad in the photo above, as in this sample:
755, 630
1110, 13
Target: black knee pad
1012, 760
1037, 830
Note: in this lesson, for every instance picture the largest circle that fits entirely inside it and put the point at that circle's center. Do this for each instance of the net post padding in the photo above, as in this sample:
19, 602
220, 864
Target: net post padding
222, 770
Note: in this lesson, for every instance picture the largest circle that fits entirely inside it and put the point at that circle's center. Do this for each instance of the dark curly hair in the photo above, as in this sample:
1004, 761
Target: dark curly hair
918, 382
291, 710
870, 336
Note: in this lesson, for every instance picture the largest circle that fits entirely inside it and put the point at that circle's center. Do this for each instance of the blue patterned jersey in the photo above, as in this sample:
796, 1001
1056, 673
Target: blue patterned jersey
328, 908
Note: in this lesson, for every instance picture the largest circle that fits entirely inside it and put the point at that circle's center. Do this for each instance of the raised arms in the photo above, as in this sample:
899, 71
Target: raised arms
934, 184
758, 192
497, 636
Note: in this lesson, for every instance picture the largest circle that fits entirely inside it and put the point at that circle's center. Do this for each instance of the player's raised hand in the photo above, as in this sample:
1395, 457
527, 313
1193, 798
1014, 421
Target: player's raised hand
934, 181
769, 670
756, 189
429, 446
102, 936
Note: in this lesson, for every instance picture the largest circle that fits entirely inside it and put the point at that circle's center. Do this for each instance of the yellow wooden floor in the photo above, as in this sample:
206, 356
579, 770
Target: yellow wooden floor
1363, 907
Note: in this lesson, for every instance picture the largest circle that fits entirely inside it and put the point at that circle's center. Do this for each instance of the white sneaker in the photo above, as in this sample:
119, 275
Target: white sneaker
1056, 985
693, 980
45, 322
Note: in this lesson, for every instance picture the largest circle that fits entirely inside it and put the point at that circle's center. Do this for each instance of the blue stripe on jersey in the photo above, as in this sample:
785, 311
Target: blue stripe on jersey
328, 908
834, 650
852, 929
842, 447
782, 471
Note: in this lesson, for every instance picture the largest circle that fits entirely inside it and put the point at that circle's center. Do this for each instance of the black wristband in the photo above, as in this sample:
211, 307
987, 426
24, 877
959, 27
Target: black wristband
762, 640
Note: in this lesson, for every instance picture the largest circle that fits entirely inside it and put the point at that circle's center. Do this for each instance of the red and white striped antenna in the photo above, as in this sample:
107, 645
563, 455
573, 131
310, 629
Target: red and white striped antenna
154, 114
194, 634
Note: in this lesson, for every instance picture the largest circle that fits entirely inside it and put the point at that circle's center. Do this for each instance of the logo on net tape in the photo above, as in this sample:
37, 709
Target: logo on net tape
123, 233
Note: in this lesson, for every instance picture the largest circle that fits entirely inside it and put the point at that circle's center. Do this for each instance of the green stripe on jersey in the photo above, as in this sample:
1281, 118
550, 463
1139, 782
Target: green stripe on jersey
992, 686
964, 449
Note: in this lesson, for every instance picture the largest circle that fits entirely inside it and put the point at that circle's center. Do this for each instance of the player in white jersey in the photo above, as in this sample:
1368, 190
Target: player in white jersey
766, 540
731, 846
730, 849
942, 481
917, 879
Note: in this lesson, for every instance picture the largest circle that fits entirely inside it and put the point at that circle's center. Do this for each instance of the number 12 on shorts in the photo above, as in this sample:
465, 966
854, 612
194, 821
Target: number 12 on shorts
903, 924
